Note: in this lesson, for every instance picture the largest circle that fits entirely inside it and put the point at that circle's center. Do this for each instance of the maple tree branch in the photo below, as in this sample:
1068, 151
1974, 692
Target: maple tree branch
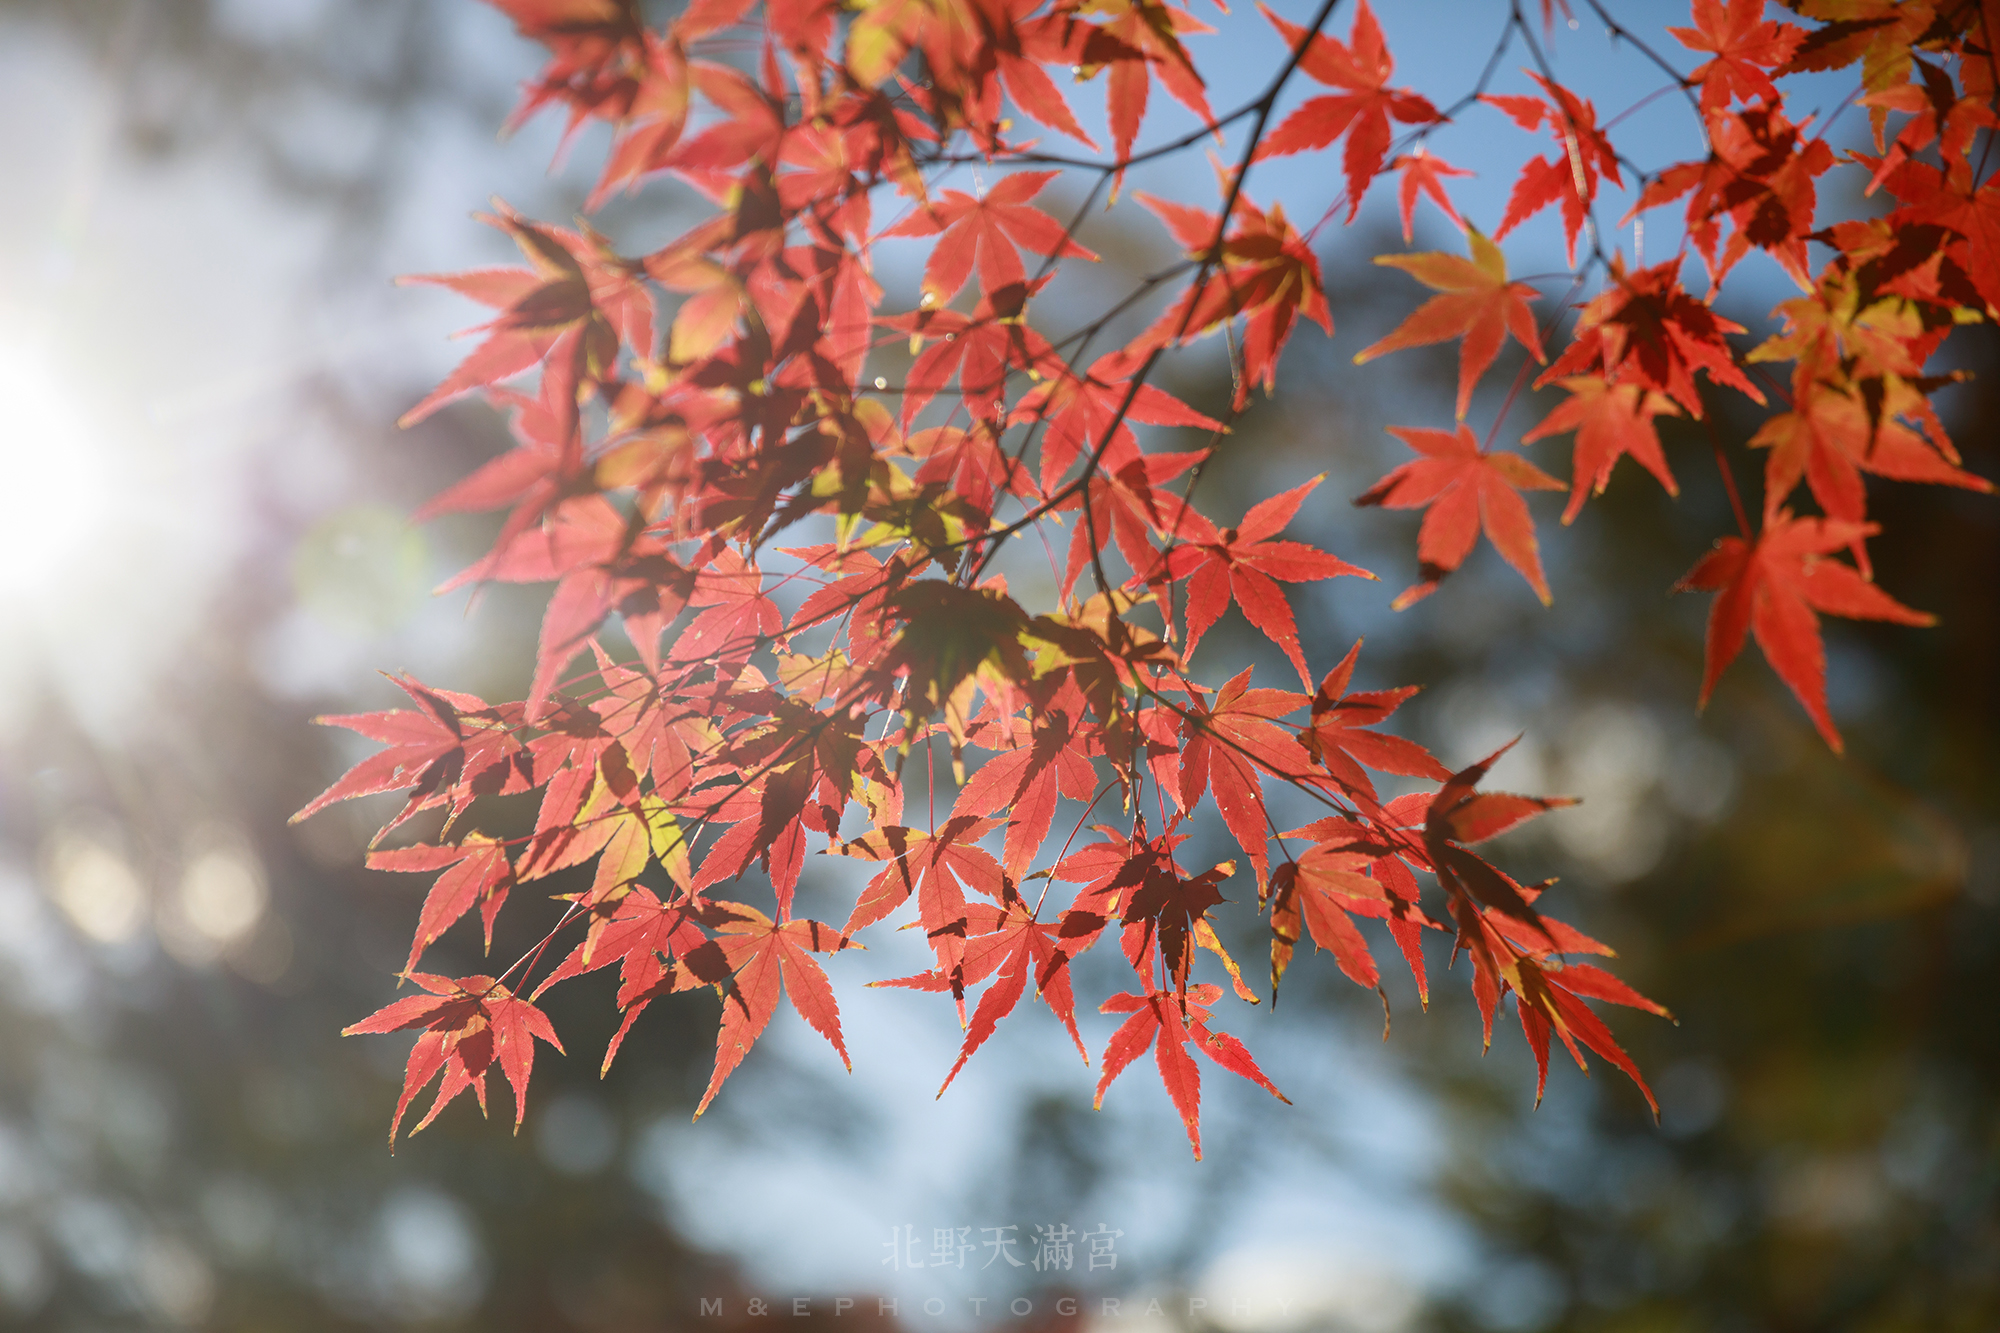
1619, 32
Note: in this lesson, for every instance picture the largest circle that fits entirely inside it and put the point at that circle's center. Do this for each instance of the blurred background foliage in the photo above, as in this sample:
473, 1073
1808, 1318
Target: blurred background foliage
185, 1142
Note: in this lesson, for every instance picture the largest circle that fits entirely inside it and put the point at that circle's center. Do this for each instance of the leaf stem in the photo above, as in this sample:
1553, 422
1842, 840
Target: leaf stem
1728, 476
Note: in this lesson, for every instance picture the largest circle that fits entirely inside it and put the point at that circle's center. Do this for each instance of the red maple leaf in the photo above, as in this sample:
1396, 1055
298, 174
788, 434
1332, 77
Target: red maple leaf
1126, 502
982, 349
576, 297
1583, 154
655, 116
1026, 779
1610, 421
1018, 46
1167, 1023
1497, 921
1361, 68
1937, 114
1743, 49
1464, 489
1245, 564
1510, 955
468, 1022
736, 614
476, 871
938, 862
1264, 270
995, 227
937, 867
1760, 173
660, 948
1460, 815
1139, 40
655, 111
1973, 214
635, 927
1386, 848
1225, 743
1169, 912
1320, 892
450, 748
1421, 171
597, 55
1645, 329
1110, 871
766, 957
1338, 737
751, 130
1077, 412
1828, 441
1773, 586
1010, 945
1551, 998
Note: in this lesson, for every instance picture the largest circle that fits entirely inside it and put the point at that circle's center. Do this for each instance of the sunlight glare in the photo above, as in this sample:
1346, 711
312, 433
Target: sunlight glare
56, 473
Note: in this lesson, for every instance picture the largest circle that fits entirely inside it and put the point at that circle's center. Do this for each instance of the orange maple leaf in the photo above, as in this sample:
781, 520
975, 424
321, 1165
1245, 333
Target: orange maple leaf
1478, 305
1829, 441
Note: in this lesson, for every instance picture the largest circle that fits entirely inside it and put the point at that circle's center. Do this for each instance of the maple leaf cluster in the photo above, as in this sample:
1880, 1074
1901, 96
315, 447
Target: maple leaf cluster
800, 555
